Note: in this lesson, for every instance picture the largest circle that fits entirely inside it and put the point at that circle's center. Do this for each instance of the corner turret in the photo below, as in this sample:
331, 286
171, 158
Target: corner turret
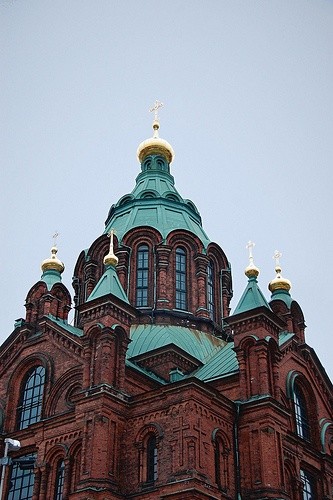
49, 296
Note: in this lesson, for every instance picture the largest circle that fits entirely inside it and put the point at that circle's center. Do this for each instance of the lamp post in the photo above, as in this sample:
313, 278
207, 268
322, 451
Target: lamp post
10, 444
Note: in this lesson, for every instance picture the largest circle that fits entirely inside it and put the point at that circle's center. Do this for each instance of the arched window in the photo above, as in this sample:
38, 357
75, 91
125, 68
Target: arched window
30, 407
290, 479
74, 467
161, 165
147, 164
221, 455
142, 274
309, 486
181, 292
59, 480
148, 443
210, 290
152, 461
218, 452
22, 479
301, 414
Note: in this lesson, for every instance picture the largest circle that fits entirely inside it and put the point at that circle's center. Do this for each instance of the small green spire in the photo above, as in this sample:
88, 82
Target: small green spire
109, 282
252, 296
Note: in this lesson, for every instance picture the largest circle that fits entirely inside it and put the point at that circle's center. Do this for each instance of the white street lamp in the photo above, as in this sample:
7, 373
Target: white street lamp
10, 444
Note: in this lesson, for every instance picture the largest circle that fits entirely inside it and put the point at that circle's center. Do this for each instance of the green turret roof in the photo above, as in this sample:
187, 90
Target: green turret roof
252, 297
109, 283
283, 295
51, 277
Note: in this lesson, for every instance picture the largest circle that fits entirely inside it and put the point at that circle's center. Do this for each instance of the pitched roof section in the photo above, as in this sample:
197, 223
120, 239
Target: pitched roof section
285, 336
222, 364
66, 326
218, 357
200, 345
252, 297
108, 283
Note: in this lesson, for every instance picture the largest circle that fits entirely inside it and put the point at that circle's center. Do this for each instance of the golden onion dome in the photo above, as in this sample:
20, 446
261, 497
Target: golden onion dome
279, 283
110, 260
251, 271
53, 263
155, 146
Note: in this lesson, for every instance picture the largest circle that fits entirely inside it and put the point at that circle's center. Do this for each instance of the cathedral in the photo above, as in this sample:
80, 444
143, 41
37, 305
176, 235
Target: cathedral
157, 390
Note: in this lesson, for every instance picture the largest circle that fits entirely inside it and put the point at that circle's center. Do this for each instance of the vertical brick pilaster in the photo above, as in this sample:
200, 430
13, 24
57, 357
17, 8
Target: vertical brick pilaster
242, 374
90, 277
201, 263
123, 254
262, 354
86, 367
163, 259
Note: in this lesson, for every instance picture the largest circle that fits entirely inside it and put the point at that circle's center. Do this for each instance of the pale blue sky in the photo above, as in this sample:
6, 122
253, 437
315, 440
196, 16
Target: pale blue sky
247, 92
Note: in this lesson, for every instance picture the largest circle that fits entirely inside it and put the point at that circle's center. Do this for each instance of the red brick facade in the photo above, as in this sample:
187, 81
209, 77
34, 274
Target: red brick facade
166, 423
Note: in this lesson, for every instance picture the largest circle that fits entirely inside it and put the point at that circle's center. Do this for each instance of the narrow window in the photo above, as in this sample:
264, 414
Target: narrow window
218, 463
181, 295
21, 481
30, 408
301, 414
210, 290
142, 276
151, 459
221, 464
309, 486
59, 482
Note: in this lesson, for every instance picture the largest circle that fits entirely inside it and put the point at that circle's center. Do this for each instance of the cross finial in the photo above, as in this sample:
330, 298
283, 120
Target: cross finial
251, 271
110, 235
111, 258
155, 108
250, 245
276, 257
55, 236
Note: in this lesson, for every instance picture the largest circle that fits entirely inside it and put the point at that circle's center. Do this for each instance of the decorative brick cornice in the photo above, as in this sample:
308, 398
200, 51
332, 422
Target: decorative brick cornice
66, 438
92, 312
251, 324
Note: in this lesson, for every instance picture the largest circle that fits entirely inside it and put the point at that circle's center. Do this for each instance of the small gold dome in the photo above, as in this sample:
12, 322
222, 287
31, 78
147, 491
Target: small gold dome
279, 283
155, 145
53, 263
110, 260
252, 271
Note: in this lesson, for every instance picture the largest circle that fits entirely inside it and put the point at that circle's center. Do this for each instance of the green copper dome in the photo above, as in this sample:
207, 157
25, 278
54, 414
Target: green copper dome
155, 202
